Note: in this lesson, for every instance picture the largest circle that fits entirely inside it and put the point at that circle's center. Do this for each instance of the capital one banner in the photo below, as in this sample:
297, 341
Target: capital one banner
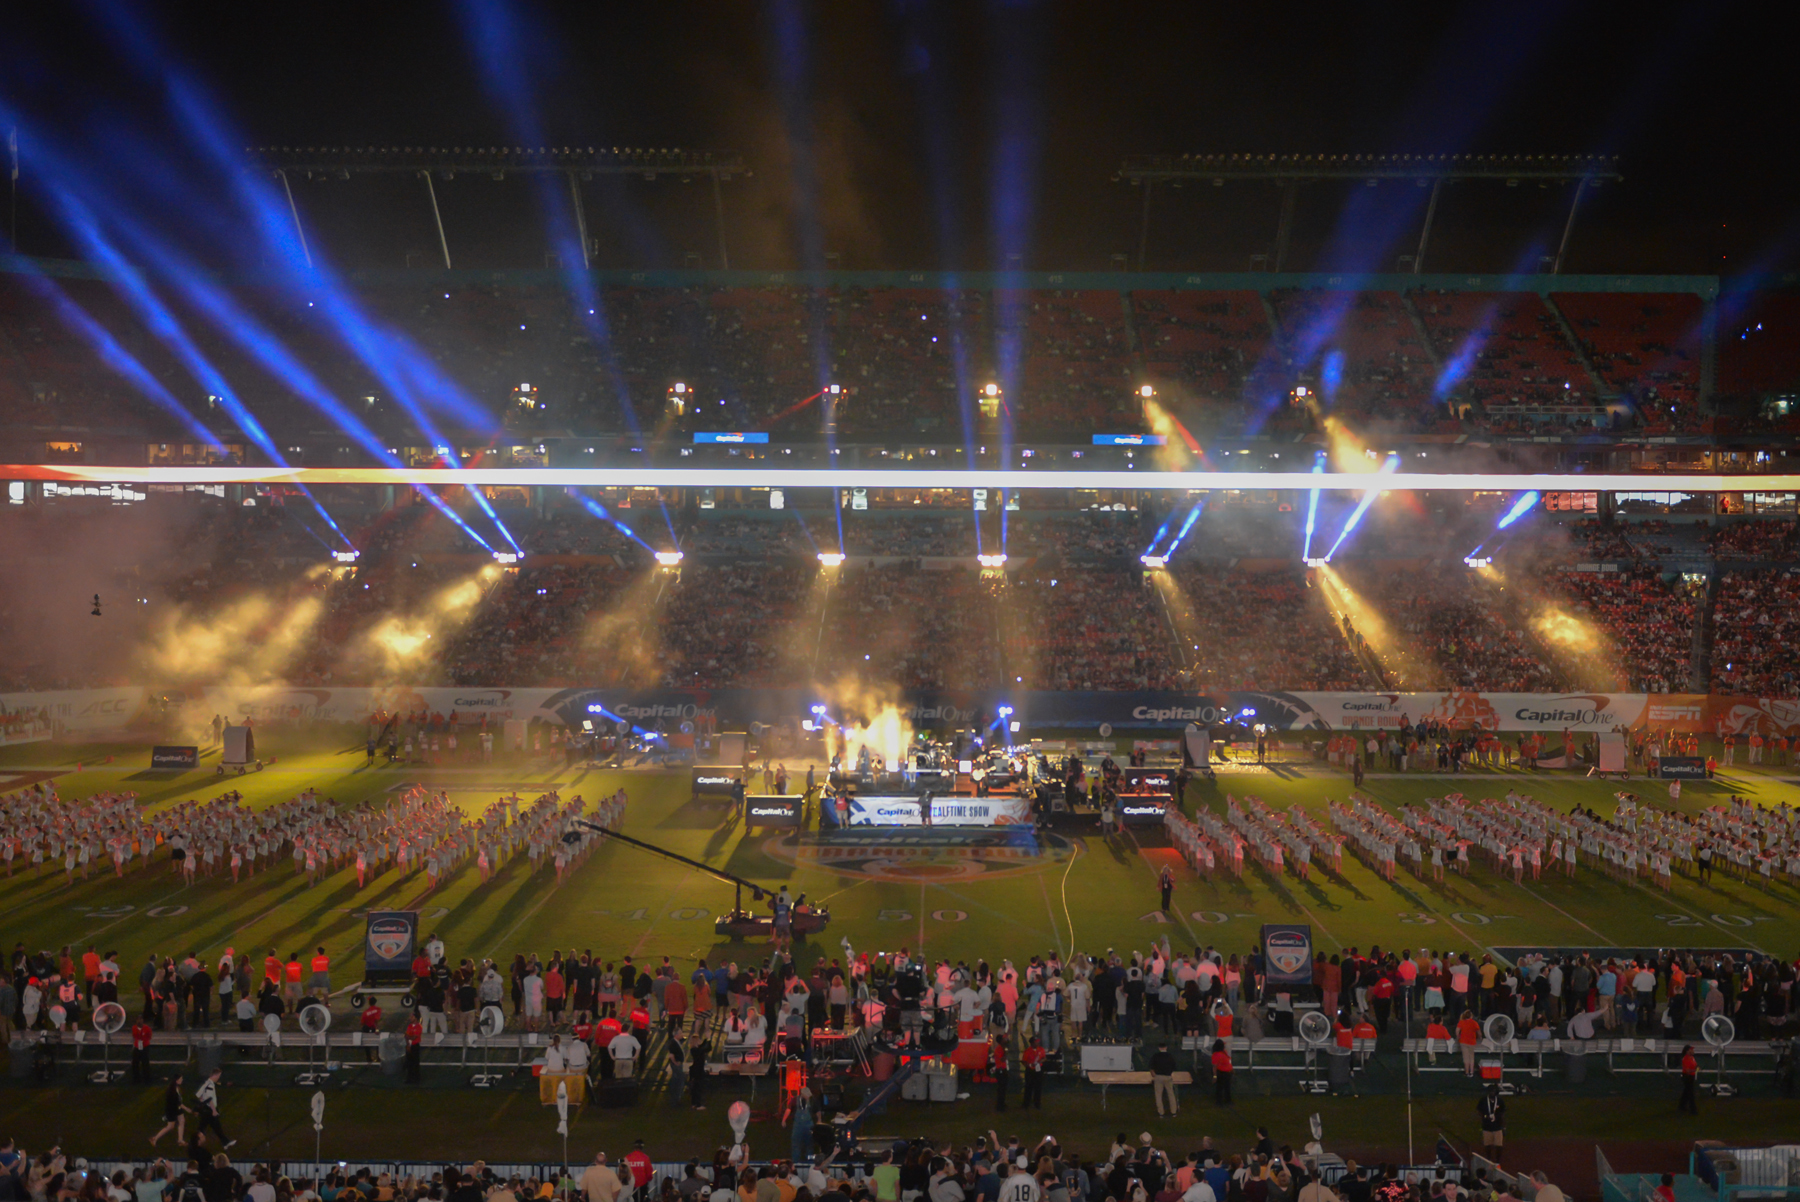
117, 709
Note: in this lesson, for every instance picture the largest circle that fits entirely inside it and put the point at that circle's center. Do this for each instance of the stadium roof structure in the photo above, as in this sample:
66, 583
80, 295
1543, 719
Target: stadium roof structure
446, 162
1289, 170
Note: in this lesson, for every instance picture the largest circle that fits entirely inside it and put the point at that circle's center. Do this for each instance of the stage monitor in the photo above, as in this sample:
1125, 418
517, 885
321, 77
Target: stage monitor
773, 809
175, 757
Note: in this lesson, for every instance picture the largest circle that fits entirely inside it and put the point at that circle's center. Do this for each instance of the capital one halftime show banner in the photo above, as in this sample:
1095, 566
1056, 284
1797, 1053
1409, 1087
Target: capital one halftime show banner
91, 711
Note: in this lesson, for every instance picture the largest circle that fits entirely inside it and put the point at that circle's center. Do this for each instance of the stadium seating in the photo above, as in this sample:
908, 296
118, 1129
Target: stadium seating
1647, 346
1756, 620
1506, 352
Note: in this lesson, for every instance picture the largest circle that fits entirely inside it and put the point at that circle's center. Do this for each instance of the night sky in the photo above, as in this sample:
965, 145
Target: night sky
952, 135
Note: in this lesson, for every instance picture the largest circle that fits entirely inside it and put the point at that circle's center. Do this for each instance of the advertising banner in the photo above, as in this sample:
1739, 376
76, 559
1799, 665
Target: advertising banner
1147, 780
772, 809
1142, 811
945, 811
1681, 767
389, 946
174, 757
1287, 953
715, 780
1196, 715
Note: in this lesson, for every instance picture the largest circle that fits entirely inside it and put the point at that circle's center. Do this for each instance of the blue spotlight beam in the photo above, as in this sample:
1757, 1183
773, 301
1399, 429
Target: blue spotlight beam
598, 510
1520, 508
1186, 526
1312, 509
1388, 466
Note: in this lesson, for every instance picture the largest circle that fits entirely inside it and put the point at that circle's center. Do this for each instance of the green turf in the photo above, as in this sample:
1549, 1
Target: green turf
1092, 894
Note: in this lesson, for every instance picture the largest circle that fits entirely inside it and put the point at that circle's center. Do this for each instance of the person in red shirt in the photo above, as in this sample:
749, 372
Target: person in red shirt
640, 1023
1468, 1034
272, 968
321, 974
1666, 1191
415, 1032
371, 1025
638, 1161
90, 971
1690, 1073
141, 1031
1221, 1066
605, 1031
675, 1004
1032, 1061
292, 972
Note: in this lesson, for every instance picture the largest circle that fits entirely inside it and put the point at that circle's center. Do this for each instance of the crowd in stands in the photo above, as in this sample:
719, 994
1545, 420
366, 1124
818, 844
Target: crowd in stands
1093, 629
908, 359
1775, 540
1649, 620
1263, 630
910, 626
1756, 622
736, 625
1460, 630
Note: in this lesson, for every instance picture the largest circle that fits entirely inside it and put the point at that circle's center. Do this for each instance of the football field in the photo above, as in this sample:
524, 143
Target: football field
962, 897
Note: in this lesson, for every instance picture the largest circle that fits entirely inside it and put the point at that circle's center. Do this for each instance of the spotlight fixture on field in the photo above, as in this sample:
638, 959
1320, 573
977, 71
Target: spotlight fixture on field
1154, 561
992, 561
989, 400
506, 557
346, 556
1146, 391
831, 559
1314, 562
678, 398
1478, 561
669, 559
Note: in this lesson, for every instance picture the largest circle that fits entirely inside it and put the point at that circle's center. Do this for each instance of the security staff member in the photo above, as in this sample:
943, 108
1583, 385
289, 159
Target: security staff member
415, 1034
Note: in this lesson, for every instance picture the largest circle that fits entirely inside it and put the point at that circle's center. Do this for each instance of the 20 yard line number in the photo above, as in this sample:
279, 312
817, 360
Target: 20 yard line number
1724, 920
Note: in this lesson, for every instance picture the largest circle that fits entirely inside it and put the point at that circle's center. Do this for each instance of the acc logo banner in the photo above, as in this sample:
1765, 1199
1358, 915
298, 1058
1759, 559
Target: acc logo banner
1287, 954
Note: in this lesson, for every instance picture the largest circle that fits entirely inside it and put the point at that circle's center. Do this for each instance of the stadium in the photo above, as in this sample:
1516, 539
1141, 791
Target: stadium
1040, 609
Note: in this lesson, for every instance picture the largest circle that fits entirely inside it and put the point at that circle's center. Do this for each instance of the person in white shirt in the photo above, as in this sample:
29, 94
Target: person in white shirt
1199, 1191
624, 1049
575, 1058
1021, 1186
944, 1187
553, 1055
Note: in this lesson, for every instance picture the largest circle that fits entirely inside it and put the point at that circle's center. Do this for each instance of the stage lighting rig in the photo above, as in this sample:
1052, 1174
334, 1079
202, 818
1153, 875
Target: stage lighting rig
992, 561
831, 559
669, 559
507, 558
1154, 561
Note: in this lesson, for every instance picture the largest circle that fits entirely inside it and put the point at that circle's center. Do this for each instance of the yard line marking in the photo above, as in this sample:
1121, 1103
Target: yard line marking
1584, 926
1669, 897
1318, 924
1055, 930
